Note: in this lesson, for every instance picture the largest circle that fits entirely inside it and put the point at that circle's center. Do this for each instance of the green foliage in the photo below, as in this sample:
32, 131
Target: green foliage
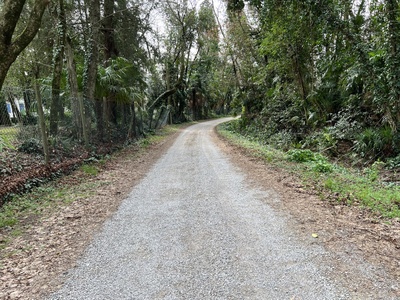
29, 120
33, 203
121, 79
374, 143
8, 137
235, 5
342, 185
7, 219
328, 77
374, 170
31, 146
283, 140
90, 169
393, 163
302, 155
322, 167
259, 149
144, 143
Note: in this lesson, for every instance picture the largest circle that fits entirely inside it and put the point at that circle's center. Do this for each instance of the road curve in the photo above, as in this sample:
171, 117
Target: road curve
193, 229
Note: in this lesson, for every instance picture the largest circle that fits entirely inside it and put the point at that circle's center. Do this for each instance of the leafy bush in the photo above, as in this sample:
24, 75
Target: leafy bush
282, 140
28, 132
393, 163
323, 167
320, 141
343, 129
29, 120
31, 146
302, 155
374, 170
375, 142
345, 125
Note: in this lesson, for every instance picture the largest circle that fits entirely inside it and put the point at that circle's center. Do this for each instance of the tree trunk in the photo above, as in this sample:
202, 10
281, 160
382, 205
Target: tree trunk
98, 110
42, 124
132, 134
4, 116
27, 102
91, 62
14, 107
56, 107
73, 85
10, 46
110, 52
140, 125
392, 111
194, 105
78, 109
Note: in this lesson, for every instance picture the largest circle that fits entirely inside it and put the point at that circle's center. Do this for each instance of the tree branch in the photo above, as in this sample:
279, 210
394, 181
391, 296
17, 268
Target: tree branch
9, 16
31, 28
164, 95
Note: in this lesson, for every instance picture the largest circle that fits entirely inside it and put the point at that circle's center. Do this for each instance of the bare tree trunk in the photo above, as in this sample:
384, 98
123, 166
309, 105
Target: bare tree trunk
73, 84
110, 52
392, 111
77, 106
132, 127
91, 63
236, 68
42, 123
27, 102
141, 129
56, 108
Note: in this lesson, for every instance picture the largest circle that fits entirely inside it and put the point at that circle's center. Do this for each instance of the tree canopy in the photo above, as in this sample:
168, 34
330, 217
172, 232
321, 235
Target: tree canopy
320, 74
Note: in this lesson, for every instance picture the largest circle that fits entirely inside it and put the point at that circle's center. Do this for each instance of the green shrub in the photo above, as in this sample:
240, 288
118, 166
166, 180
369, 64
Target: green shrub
282, 140
345, 125
302, 155
374, 143
320, 141
31, 146
323, 167
29, 120
393, 163
373, 171
28, 132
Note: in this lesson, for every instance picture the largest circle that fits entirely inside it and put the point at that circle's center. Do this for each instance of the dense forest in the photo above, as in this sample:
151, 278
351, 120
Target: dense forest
307, 74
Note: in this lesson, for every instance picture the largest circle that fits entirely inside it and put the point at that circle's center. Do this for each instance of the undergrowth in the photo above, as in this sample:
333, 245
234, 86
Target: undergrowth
343, 185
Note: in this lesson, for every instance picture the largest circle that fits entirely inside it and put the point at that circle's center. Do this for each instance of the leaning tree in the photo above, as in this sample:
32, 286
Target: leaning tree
12, 42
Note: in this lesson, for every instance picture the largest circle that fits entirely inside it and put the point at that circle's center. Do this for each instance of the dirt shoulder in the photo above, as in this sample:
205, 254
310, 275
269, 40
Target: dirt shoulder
31, 264
352, 235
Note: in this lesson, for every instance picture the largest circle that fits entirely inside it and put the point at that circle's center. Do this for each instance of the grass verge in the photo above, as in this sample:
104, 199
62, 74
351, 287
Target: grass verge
8, 135
342, 185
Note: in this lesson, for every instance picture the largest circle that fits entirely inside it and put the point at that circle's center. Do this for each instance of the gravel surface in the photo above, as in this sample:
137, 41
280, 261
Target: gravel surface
194, 229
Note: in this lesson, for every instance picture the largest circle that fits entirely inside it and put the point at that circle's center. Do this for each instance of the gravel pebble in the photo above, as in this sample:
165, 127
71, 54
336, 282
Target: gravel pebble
193, 229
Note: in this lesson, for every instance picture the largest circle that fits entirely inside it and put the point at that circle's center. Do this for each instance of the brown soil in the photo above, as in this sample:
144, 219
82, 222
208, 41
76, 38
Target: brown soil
32, 263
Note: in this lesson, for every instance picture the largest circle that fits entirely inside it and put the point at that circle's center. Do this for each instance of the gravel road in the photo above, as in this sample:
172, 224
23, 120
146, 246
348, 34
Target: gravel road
194, 229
